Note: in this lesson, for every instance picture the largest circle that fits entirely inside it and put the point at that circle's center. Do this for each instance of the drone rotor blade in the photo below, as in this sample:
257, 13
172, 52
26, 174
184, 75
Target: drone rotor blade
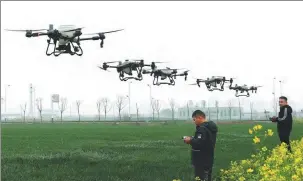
26, 30
113, 62
103, 68
103, 32
112, 31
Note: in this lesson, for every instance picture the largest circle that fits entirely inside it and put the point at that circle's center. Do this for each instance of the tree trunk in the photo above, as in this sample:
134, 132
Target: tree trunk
120, 115
99, 115
153, 115
158, 116
61, 116
230, 114
24, 118
41, 117
105, 113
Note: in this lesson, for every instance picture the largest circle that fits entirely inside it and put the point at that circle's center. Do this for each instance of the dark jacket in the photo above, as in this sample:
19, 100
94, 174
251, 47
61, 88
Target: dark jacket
203, 144
284, 121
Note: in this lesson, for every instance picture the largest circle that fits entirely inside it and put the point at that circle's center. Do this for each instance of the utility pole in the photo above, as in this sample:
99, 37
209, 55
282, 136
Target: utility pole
31, 100
129, 100
150, 97
5, 99
33, 104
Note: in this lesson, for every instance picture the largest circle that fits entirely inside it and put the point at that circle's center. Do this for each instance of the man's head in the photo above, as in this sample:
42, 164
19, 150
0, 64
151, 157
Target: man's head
198, 117
282, 101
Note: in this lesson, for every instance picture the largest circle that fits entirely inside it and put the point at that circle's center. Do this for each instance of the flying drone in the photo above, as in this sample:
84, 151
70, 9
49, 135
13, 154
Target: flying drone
213, 82
244, 88
127, 67
169, 73
66, 39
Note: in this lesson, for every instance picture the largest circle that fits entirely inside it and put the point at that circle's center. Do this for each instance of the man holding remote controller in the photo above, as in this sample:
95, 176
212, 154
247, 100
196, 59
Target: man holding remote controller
203, 145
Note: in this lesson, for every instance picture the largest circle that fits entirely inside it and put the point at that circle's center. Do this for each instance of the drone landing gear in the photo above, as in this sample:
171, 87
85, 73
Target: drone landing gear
63, 48
139, 75
242, 95
156, 81
210, 88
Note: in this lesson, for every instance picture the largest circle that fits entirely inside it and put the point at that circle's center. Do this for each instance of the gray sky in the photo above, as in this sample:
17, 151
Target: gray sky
252, 41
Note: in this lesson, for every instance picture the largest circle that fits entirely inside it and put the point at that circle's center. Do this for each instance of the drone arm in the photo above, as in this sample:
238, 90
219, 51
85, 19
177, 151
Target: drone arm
91, 38
36, 34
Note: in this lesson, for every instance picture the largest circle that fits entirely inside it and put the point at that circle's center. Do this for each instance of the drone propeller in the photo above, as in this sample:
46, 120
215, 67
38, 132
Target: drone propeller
26, 30
113, 62
103, 68
103, 32
102, 35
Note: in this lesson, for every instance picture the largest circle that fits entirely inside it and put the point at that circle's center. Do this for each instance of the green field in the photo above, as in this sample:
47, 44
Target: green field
95, 151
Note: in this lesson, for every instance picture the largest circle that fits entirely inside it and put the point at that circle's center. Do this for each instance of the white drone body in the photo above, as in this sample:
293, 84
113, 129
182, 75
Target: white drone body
69, 34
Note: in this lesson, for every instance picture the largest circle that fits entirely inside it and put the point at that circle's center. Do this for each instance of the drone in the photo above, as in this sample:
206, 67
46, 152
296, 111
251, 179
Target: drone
127, 67
169, 73
212, 82
66, 39
244, 88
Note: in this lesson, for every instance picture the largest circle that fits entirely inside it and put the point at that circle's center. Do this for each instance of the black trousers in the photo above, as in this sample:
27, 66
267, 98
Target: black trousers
204, 173
284, 137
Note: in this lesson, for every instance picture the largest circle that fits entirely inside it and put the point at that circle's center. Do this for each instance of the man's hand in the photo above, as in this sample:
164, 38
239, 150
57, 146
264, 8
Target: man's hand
187, 139
274, 119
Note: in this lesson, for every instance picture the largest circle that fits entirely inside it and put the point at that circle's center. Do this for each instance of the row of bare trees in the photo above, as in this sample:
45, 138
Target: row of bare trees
103, 104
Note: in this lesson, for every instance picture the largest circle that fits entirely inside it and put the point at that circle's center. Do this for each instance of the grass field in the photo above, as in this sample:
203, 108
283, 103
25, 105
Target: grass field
95, 151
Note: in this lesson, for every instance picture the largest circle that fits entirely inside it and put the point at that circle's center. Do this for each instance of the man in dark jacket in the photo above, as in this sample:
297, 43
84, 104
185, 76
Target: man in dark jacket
284, 121
203, 145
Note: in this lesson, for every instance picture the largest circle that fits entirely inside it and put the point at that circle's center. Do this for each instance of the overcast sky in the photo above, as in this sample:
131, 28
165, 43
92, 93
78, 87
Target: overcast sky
252, 41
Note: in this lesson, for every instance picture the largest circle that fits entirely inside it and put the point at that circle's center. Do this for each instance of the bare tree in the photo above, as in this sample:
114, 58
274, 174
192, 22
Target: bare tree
99, 108
217, 108
266, 114
251, 110
137, 111
172, 104
39, 107
78, 103
153, 106
105, 106
240, 111
62, 106
229, 108
120, 104
187, 106
23, 108
158, 108
203, 104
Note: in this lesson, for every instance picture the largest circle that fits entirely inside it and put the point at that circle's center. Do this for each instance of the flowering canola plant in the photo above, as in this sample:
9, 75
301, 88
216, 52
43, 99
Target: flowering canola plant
266, 165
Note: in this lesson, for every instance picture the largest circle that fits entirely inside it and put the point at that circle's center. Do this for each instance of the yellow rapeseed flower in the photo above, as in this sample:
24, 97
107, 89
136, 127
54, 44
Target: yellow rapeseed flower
250, 131
241, 178
295, 177
250, 170
259, 126
256, 140
176, 180
197, 178
264, 148
270, 132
